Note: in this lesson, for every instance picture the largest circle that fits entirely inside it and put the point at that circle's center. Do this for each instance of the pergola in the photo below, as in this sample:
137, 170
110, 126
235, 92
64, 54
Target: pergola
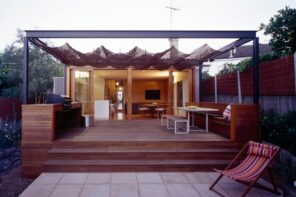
241, 36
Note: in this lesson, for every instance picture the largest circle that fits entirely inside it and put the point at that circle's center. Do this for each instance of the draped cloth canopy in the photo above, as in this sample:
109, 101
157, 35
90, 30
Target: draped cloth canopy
136, 57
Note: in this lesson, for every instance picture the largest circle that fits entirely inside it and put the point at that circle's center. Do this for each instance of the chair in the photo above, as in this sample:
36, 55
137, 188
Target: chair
143, 111
160, 109
258, 158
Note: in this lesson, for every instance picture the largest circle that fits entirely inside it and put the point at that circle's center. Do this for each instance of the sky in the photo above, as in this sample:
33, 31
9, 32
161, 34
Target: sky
135, 15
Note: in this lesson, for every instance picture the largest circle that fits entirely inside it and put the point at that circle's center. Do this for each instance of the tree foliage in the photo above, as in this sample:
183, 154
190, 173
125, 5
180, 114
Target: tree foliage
282, 28
246, 64
205, 75
11, 72
42, 69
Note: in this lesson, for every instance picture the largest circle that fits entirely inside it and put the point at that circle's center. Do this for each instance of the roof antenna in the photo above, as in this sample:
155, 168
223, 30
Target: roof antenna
171, 8
173, 41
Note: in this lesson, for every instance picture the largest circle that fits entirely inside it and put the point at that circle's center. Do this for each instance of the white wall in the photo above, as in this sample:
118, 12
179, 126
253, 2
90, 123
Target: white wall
181, 76
99, 86
58, 85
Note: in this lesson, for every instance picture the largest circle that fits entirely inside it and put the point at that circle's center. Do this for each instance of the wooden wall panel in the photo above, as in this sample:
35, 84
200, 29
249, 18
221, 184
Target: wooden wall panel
129, 92
38, 132
245, 123
140, 85
170, 91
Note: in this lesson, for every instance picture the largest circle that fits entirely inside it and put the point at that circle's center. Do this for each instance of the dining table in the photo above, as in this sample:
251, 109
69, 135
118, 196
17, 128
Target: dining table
190, 115
153, 106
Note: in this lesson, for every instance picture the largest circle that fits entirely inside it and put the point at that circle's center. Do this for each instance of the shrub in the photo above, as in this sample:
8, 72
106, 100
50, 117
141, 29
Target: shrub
280, 129
10, 133
246, 64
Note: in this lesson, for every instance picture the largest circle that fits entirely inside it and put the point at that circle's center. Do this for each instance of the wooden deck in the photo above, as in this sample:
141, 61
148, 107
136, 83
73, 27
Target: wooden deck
112, 146
138, 145
116, 146
133, 130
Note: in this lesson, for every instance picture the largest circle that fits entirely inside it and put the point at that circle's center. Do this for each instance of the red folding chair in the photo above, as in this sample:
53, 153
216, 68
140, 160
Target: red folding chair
250, 164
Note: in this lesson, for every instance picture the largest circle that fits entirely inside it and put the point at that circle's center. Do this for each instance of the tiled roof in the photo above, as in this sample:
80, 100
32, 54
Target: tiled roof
245, 51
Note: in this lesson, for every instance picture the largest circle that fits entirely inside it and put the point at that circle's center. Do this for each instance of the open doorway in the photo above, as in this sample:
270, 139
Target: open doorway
119, 96
180, 94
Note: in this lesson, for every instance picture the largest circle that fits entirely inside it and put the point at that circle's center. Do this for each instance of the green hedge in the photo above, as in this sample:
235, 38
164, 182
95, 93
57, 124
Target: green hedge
10, 133
280, 129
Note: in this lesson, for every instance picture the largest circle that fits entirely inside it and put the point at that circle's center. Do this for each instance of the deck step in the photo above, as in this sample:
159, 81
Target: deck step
132, 156
144, 144
144, 153
162, 165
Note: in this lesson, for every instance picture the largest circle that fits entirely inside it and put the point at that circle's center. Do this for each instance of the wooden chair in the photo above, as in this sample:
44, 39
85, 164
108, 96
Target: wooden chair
258, 158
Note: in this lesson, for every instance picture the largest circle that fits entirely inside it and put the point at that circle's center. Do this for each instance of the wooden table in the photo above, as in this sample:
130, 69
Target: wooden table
191, 110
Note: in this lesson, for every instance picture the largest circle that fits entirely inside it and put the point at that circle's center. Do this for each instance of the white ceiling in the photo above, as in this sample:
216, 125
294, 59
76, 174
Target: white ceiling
137, 74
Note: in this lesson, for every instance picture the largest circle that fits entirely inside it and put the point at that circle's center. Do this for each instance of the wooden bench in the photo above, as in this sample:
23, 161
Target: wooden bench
176, 121
243, 126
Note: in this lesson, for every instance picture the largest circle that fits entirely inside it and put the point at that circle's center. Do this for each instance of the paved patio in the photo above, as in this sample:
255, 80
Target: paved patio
189, 184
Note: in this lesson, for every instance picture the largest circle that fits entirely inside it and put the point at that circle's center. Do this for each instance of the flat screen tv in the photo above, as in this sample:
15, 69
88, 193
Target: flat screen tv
152, 94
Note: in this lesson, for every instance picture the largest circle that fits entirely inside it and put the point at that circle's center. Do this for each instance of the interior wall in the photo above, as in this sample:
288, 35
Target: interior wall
140, 85
181, 76
68, 81
99, 86
110, 91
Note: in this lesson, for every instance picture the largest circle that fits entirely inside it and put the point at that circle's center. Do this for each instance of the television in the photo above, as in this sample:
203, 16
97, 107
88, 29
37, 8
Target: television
152, 94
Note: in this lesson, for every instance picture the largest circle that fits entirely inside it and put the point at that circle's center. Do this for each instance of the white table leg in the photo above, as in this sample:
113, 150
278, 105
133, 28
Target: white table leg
188, 117
207, 122
192, 119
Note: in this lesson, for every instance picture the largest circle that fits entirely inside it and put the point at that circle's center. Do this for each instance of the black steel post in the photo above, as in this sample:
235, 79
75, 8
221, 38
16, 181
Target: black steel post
65, 79
256, 71
25, 71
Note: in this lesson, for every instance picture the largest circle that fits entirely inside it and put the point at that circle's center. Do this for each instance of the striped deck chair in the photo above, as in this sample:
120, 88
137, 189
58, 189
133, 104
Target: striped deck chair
257, 160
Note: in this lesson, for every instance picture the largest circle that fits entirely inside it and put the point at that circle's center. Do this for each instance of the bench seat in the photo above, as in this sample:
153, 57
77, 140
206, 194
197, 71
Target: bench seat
243, 126
176, 123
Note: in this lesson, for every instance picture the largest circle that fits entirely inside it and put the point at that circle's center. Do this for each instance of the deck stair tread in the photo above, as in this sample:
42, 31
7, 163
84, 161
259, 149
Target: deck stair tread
139, 155
141, 150
134, 162
144, 144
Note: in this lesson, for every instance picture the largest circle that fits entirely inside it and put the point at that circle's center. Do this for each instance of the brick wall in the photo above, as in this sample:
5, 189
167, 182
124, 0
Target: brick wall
277, 78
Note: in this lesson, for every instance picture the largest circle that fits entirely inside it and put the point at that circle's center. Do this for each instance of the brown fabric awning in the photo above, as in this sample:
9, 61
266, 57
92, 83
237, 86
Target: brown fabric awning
136, 57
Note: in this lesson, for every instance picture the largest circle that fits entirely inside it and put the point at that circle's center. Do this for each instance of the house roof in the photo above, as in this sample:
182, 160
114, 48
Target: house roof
245, 51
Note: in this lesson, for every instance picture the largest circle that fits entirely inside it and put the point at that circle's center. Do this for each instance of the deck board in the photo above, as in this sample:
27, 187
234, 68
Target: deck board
133, 130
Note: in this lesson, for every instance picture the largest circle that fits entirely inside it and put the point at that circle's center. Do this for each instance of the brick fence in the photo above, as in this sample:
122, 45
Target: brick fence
277, 78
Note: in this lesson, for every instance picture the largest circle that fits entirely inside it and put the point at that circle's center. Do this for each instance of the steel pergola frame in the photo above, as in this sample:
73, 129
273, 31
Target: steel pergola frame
242, 36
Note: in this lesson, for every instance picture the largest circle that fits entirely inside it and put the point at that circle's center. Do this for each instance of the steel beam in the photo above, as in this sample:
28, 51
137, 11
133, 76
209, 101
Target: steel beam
256, 70
25, 71
137, 34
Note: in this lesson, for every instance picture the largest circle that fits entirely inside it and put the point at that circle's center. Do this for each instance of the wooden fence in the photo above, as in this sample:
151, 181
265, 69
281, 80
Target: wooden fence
277, 86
